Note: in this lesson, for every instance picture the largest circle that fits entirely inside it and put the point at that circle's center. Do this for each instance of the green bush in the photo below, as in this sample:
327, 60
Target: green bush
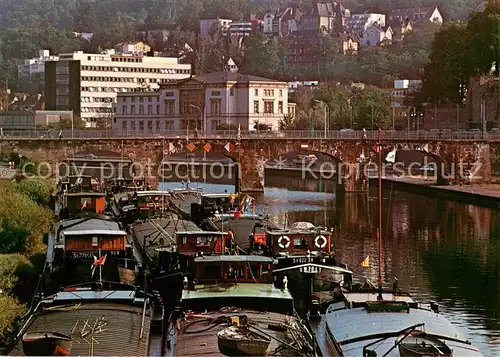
23, 222
38, 189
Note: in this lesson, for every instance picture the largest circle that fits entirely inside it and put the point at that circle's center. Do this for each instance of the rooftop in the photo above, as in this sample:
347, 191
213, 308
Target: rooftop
224, 77
240, 290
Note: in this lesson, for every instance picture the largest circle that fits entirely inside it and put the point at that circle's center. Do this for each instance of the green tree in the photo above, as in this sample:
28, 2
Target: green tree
450, 65
23, 222
262, 57
38, 189
371, 108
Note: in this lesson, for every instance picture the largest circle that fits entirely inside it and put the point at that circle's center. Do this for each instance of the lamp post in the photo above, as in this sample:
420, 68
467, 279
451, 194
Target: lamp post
372, 117
202, 116
327, 110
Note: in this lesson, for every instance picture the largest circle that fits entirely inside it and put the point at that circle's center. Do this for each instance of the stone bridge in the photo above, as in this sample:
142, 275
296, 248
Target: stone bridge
253, 154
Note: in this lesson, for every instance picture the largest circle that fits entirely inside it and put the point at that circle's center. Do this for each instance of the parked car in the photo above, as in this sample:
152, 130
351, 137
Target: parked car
427, 168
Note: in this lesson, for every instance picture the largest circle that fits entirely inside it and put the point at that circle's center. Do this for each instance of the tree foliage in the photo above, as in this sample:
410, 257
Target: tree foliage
23, 222
461, 51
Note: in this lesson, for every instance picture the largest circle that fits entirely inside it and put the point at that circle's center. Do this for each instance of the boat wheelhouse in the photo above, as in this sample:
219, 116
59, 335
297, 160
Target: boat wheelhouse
194, 243
71, 204
81, 239
362, 324
230, 307
96, 319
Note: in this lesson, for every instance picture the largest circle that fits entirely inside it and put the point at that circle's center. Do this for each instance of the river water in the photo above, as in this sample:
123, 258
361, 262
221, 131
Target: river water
439, 250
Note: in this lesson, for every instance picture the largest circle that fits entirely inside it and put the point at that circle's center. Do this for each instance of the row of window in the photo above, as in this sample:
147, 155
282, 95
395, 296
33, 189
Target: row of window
127, 80
105, 89
97, 99
151, 109
97, 110
191, 108
169, 125
137, 70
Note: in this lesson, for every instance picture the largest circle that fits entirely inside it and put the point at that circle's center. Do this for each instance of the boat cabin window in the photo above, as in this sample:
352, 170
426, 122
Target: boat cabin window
300, 243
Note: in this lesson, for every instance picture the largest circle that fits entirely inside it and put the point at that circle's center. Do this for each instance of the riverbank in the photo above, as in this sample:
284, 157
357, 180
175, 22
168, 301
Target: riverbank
487, 195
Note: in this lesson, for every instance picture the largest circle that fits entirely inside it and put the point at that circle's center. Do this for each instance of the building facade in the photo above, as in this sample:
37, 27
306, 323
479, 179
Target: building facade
215, 101
359, 23
88, 83
208, 25
34, 68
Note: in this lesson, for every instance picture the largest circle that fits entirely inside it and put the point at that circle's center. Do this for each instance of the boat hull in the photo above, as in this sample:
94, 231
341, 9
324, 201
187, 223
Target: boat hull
47, 344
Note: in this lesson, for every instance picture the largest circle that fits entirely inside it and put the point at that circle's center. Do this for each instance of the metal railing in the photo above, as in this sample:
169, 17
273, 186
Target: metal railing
245, 135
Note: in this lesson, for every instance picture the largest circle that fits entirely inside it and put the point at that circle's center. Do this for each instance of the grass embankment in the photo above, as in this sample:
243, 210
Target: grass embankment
25, 219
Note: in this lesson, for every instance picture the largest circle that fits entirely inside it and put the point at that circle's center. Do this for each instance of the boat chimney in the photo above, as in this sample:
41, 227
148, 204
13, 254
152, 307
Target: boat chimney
435, 307
285, 283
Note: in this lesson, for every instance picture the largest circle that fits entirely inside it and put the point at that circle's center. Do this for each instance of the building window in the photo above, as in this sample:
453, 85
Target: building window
150, 125
157, 125
269, 107
141, 125
256, 106
132, 125
169, 107
157, 109
169, 94
169, 125
280, 107
141, 109
215, 93
256, 92
281, 92
215, 106
150, 109
124, 109
124, 125
231, 92
132, 109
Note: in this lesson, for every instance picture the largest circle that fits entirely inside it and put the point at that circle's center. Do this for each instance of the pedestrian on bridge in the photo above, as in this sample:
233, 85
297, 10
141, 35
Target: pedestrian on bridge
60, 134
364, 133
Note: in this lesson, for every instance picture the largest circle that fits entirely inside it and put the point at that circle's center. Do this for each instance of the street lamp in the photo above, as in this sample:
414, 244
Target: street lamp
202, 116
327, 110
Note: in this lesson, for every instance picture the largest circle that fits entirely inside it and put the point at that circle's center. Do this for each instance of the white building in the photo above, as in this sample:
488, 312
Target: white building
376, 35
207, 25
34, 68
88, 83
215, 101
359, 23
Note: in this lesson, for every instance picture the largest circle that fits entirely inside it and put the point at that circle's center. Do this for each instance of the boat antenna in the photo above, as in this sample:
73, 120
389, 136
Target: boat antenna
379, 217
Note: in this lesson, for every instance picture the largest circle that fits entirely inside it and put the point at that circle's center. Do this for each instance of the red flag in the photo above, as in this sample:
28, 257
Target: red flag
84, 205
100, 261
376, 148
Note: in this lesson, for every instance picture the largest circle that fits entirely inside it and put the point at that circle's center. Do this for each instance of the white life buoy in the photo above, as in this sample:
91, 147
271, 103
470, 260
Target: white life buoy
320, 242
284, 242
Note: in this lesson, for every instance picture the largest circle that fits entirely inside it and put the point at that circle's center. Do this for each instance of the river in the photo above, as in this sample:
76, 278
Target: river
439, 250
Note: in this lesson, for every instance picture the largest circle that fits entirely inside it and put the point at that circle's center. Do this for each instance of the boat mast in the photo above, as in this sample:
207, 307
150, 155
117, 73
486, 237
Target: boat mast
379, 217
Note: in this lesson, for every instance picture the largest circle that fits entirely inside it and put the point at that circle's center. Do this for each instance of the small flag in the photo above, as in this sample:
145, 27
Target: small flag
229, 147
376, 148
169, 147
391, 157
366, 262
100, 261
190, 147
426, 148
84, 205
207, 147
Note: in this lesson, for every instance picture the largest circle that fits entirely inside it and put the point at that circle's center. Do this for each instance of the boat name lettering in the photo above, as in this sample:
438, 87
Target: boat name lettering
300, 260
82, 255
310, 270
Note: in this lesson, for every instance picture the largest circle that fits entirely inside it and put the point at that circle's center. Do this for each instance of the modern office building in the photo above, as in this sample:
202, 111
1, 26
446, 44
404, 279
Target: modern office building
88, 83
